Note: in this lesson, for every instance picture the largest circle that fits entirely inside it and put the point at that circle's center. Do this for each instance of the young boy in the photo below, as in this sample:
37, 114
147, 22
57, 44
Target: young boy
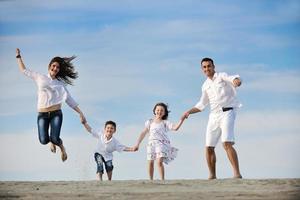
107, 144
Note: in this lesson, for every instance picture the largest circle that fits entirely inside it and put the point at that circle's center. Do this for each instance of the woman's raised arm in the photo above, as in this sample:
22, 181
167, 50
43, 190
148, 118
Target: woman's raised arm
19, 60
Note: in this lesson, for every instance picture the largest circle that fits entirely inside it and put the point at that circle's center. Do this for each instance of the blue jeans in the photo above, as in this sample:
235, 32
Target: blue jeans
54, 120
100, 160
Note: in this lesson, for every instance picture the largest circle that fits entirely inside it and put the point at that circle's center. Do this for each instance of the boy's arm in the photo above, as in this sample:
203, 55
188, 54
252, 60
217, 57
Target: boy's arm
130, 149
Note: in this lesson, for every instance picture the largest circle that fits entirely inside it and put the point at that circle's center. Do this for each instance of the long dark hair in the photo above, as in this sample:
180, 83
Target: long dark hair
66, 69
165, 106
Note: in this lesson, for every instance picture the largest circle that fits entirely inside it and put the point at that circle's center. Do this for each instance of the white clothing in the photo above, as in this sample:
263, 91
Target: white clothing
218, 92
107, 147
158, 130
50, 91
158, 141
220, 125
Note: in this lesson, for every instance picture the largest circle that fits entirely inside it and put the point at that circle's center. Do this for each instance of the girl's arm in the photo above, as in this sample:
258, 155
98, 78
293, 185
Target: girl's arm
20, 61
141, 137
178, 125
191, 111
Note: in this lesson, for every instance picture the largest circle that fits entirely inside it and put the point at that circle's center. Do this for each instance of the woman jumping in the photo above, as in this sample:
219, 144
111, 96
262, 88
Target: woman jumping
52, 92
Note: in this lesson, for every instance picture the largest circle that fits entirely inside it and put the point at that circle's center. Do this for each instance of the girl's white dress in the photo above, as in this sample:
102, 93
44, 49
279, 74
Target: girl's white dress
158, 141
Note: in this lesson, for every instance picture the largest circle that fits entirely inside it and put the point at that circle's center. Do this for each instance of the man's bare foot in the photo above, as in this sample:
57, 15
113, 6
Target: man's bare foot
52, 147
238, 176
64, 155
212, 177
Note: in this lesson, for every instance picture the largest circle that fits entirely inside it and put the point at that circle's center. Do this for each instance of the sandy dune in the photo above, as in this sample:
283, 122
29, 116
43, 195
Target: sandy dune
157, 190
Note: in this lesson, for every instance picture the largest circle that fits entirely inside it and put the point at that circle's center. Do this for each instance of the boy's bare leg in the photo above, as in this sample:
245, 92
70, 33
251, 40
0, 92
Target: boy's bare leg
151, 169
99, 176
109, 175
211, 162
161, 168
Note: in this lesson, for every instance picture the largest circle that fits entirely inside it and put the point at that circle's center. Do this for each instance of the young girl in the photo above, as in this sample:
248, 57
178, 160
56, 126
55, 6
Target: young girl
107, 144
52, 92
159, 147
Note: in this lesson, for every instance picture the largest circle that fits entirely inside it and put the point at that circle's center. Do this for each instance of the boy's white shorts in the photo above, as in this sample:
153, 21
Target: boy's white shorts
220, 124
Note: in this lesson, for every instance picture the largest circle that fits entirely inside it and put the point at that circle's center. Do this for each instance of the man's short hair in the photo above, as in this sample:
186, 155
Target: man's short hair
206, 60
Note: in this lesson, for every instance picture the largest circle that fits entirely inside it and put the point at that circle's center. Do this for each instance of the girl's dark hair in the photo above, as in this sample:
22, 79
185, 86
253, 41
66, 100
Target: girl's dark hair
165, 106
66, 69
111, 123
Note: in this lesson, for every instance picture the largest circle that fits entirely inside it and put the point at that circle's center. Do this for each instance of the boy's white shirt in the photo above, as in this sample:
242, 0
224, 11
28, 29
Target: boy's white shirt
107, 147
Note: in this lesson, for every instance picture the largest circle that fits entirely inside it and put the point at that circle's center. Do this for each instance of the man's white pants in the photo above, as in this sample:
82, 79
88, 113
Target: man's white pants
220, 124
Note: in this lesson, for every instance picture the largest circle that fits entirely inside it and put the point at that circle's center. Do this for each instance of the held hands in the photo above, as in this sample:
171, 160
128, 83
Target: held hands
131, 149
185, 116
135, 148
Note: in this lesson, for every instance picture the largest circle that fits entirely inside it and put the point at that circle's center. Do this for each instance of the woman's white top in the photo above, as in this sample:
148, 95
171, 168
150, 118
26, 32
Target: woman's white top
106, 147
50, 91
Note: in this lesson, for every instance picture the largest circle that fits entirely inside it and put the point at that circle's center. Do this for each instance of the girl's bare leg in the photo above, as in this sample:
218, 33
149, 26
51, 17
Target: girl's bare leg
161, 168
151, 169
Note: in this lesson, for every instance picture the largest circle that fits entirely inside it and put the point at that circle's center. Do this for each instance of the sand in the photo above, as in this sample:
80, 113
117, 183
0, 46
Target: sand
272, 189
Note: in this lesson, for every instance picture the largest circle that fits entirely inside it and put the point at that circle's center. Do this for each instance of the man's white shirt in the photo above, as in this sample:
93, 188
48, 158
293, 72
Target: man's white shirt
219, 92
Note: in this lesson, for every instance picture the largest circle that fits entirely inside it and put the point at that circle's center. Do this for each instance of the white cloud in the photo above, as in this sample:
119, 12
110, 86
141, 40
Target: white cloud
271, 122
25, 158
271, 156
276, 82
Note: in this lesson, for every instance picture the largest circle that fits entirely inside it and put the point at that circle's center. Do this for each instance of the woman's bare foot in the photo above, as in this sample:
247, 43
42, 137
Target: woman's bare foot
63, 153
52, 147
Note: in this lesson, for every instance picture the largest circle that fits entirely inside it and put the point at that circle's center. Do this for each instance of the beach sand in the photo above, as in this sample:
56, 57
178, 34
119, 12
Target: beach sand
156, 190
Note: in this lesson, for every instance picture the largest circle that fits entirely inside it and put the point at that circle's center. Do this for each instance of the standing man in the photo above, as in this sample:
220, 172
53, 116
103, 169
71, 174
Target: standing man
219, 91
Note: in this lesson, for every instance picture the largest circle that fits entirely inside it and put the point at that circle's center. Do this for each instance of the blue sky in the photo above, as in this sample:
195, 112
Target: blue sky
132, 54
